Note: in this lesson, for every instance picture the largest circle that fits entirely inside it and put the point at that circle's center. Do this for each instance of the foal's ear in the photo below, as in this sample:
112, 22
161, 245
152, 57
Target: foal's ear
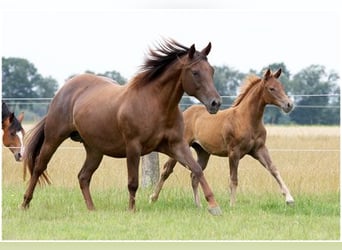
277, 74
267, 74
207, 49
21, 117
192, 51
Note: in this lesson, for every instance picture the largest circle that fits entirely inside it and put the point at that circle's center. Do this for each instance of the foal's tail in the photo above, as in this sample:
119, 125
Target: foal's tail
34, 141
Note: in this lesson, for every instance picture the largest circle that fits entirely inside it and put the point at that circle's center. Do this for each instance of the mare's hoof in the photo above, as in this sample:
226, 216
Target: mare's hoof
23, 207
216, 211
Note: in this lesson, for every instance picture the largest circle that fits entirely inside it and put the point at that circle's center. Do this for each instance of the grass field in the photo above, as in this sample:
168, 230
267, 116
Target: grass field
307, 157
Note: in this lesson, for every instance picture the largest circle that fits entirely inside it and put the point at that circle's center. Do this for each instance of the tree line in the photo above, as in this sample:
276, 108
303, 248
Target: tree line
315, 90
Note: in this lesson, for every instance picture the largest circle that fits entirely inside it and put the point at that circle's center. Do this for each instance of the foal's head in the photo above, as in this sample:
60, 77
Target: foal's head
274, 91
13, 134
197, 78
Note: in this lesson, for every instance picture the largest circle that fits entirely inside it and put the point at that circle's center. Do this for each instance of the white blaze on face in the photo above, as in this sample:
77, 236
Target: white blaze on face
21, 137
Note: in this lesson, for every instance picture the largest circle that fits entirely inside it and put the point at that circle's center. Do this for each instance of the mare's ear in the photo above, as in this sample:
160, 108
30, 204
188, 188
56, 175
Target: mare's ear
277, 74
207, 49
267, 74
21, 117
192, 51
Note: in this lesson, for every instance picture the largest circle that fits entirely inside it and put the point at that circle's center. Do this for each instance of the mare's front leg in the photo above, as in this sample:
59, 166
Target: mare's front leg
133, 153
263, 156
183, 155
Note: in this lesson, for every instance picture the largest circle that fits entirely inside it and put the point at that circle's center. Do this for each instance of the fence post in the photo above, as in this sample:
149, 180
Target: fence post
150, 169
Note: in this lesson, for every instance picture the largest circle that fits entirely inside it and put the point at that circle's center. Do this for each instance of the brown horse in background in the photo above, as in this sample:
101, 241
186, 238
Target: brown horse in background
13, 132
234, 132
127, 121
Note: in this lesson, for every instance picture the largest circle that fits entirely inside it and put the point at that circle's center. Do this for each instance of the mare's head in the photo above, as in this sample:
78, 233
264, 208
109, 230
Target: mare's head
197, 78
188, 67
13, 133
274, 92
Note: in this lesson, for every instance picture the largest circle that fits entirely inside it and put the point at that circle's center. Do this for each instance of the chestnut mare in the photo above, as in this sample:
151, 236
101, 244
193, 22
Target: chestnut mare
234, 132
127, 121
13, 132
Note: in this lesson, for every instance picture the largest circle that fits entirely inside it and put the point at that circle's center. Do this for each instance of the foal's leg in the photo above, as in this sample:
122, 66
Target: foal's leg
183, 155
167, 170
264, 158
92, 162
233, 168
202, 160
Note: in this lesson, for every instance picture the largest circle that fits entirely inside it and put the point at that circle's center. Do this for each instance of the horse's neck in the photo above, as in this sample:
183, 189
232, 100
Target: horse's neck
169, 90
252, 107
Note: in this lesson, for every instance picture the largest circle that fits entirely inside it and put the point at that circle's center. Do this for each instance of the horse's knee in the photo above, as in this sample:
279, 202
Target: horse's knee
132, 188
196, 173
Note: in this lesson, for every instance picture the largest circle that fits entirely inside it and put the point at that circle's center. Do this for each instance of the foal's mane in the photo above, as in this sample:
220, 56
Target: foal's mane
250, 82
158, 59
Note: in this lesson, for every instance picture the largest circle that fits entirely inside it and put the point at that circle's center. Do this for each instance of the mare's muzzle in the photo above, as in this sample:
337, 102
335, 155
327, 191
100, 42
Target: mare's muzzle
214, 105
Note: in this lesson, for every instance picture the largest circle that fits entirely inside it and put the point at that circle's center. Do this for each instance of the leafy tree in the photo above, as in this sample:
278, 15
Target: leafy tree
314, 80
20, 78
116, 76
227, 81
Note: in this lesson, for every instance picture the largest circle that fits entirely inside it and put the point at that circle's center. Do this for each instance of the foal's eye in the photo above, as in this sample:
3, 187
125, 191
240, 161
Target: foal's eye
272, 89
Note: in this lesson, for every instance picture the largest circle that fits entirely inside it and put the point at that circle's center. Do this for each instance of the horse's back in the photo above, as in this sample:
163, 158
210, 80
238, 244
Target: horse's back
79, 94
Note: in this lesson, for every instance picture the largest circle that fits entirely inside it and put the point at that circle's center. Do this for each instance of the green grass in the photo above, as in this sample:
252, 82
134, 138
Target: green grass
58, 211
60, 214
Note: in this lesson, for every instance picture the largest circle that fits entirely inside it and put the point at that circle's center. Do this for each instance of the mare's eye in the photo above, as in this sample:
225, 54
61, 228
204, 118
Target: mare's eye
195, 73
272, 89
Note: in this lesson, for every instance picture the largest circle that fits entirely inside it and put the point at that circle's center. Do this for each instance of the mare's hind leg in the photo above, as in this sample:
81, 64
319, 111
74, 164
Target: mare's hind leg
264, 158
167, 170
202, 160
46, 152
92, 162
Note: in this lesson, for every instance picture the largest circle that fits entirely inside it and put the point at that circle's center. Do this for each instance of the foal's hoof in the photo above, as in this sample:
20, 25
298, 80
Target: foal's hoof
216, 211
290, 203
152, 199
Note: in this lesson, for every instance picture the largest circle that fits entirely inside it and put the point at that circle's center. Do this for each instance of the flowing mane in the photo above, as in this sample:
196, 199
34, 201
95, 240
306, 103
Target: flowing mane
158, 59
248, 84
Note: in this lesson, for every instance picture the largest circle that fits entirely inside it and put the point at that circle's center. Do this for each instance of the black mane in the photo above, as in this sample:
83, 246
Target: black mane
15, 124
157, 60
5, 111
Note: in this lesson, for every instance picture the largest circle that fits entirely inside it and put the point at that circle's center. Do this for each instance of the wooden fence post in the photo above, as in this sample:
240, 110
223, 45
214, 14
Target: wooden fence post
150, 169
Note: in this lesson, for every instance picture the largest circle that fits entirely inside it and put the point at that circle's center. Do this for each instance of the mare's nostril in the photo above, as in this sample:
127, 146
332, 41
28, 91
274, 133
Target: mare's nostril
215, 103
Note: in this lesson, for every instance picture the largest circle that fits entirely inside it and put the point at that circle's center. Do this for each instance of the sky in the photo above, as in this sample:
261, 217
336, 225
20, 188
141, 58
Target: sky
62, 40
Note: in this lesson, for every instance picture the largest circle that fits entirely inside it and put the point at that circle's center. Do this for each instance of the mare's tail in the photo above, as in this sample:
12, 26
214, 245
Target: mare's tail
34, 140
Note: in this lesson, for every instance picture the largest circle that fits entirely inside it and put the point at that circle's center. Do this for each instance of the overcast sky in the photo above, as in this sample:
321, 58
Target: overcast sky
61, 41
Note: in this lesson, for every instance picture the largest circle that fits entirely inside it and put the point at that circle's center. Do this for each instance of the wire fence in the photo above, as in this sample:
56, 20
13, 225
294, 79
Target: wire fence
14, 102
46, 101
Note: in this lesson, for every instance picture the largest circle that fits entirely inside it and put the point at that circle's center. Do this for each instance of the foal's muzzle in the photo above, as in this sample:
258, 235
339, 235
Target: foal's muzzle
287, 107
